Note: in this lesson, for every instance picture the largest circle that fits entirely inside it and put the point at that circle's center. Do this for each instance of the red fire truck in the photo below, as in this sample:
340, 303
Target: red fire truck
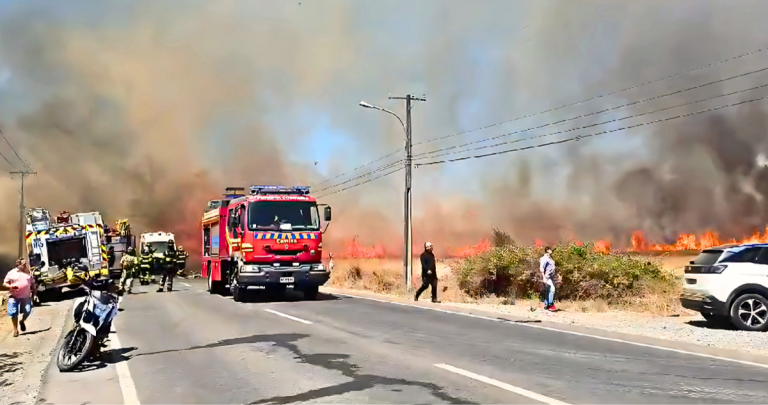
267, 240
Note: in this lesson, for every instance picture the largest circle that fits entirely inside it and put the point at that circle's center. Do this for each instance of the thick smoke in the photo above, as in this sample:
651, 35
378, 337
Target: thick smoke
150, 113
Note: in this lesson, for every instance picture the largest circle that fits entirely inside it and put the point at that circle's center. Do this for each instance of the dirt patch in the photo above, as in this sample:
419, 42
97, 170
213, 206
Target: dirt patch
23, 359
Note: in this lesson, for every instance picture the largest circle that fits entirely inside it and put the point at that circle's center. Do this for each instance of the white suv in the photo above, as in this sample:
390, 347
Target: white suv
729, 283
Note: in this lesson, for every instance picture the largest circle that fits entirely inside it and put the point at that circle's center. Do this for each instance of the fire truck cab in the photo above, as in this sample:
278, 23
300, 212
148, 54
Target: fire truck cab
268, 240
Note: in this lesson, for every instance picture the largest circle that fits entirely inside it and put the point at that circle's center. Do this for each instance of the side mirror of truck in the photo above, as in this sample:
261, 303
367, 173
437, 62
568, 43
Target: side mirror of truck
327, 214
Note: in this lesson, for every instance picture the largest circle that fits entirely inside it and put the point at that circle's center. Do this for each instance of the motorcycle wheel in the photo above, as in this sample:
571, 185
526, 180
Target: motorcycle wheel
78, 344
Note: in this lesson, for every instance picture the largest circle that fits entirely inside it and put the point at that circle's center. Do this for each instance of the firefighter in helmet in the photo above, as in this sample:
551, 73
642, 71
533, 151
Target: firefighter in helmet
129, 264
145, 265
181, 259
169, 266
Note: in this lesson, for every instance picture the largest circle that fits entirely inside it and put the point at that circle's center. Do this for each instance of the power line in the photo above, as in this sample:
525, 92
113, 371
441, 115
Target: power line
357, 168
594, 113
379, 169
546, 111
597, 97
6, 159
14, 152
591, 125
360, 184
580, 137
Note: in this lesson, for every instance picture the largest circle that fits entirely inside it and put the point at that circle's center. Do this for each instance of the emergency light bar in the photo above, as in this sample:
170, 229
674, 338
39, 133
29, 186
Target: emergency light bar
231, 193
264, 190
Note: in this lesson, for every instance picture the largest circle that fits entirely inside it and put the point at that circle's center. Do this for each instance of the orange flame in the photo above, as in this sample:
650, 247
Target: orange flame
602, 246
467, 251
689, 241
354, 250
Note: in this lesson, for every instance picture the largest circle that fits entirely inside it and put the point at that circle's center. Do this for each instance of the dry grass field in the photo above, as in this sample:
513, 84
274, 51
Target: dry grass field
385, 276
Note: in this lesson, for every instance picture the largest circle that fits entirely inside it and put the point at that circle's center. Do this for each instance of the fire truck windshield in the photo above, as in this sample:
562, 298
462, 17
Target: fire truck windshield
301, 215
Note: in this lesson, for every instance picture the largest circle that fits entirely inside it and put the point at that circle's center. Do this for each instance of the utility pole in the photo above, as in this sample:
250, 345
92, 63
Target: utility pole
23, 174
408, 231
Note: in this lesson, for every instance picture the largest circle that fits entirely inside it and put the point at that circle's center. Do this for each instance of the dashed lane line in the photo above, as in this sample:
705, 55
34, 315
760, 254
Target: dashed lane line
504, 386
288, 316
709, 356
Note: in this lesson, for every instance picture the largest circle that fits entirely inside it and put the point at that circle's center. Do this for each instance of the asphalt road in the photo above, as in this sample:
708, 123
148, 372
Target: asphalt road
191, 347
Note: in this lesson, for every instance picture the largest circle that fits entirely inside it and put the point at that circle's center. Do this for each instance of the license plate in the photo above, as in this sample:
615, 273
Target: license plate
286, 279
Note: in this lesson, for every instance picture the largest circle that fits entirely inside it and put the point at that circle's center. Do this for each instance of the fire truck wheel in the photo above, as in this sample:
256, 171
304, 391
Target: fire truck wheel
238, 293
215, 287
310, 293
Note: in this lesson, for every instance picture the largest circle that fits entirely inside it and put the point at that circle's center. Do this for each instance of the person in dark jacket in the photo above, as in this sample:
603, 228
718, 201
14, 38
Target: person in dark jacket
428, 273
111, 256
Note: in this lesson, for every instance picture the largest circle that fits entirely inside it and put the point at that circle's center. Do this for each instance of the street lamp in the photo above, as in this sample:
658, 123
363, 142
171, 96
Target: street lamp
368, 105
408, 237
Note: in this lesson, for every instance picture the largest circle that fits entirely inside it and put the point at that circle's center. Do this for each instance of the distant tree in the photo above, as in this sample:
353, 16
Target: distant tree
501, 238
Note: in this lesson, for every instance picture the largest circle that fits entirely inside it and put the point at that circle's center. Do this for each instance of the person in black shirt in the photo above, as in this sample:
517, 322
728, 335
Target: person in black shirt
428, 273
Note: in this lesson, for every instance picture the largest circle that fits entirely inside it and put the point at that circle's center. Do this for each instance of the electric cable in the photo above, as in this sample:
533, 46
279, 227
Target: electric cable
593, 113
580, 137
357, 168
589, 126
14, 152
381, 168
598, 96
360, 184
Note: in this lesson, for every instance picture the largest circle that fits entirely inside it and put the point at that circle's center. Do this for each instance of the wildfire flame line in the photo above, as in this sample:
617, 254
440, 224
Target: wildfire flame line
638, 243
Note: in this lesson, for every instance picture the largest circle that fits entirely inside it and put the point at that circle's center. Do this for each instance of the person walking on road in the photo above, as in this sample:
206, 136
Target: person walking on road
23, 290
428, 273
547, 268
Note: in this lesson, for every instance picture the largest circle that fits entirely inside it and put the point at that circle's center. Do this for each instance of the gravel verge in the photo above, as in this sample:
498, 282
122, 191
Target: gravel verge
23, 359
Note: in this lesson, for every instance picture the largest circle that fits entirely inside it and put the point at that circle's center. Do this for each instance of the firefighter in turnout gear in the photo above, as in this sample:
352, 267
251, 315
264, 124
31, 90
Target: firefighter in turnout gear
129, 263
181, 260
145, 265
169, 266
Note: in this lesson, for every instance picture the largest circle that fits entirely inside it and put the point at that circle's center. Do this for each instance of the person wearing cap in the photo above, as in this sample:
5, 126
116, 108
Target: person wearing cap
428, 273
547, 268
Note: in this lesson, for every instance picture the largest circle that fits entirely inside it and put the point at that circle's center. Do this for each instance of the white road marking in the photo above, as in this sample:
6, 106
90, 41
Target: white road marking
504, 386
130, 396
185, 284
288, 316
709, 356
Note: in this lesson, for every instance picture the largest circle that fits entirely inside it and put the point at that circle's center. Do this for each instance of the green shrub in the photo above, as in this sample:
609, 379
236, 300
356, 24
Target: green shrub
508, 270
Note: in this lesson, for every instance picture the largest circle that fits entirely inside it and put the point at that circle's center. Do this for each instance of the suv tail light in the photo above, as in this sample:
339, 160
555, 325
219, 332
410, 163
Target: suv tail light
717, 269
699, 269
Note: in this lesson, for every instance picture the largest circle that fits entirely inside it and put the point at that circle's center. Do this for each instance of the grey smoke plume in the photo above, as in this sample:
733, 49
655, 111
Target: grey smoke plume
150, 110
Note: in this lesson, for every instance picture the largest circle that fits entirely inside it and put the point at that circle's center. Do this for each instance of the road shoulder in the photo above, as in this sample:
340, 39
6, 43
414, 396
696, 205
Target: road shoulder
536, 322
24, 359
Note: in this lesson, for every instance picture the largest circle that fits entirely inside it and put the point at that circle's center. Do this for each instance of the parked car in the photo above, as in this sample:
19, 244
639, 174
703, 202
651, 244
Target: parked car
729, 284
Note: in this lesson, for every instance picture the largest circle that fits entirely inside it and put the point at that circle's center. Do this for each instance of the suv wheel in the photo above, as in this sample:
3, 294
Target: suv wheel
750, 312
